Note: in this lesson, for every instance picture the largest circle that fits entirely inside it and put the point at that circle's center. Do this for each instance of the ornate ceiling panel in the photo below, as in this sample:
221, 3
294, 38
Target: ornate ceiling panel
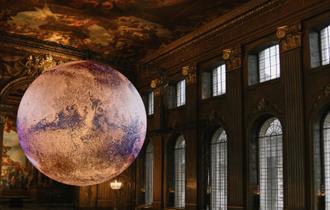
111, 28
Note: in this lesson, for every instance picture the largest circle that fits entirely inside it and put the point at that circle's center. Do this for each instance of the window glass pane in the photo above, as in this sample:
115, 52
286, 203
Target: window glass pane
271, 165
219, 80
326, 160
325, 45
219, 171
181, 93
180, 178
269, 63
149, 174
151, 103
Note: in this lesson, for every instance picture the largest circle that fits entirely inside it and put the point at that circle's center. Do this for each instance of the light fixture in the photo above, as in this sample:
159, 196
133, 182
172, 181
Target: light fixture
116, 185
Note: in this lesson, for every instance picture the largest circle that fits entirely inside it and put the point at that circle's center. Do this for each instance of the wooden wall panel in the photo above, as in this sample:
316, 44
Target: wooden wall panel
294, 159
235, 136
292, 98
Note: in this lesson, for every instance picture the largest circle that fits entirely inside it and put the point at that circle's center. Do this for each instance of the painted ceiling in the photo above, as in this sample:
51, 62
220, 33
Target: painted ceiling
111, 28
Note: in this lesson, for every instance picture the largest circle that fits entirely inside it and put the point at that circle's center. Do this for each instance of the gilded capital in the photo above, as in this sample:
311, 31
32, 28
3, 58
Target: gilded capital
189, 73
232, 56
157, 86
289, 37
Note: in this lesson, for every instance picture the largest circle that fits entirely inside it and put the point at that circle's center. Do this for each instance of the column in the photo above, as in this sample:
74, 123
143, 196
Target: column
294, 140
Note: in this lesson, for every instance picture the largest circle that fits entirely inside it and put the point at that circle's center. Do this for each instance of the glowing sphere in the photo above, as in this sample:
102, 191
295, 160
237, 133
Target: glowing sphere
81, 123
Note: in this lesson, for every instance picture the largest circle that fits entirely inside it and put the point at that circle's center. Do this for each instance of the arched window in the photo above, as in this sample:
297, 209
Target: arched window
180, 179
271, 165
219, 170
326, 160
325, 45
149, 173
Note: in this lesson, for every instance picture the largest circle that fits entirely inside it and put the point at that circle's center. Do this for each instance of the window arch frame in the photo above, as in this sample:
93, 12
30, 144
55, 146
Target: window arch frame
321, 189
262, 127
179, 172
216, 139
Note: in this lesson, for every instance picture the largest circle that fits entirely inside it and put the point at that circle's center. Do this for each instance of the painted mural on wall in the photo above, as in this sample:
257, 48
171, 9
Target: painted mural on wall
14, 172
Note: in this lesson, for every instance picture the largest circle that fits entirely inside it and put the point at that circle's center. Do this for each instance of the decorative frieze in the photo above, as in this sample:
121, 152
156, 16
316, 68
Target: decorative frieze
30, 66
289, 36
233, 58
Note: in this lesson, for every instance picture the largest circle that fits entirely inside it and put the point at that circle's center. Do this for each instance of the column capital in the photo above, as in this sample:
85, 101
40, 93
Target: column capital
233, 58
289, 37
189, 72
158, 85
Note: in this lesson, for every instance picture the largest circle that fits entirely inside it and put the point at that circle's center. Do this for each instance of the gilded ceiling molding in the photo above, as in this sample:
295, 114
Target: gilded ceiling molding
30, 66
23, 70
233, 58
36, 65
33, 45
189, 73
289, 37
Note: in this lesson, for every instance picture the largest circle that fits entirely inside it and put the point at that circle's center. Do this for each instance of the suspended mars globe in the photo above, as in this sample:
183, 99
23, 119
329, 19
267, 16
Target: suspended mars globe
81, 123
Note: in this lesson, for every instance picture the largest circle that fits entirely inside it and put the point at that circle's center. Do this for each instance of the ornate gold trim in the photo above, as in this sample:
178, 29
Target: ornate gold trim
189, 73
289, 36
157, 85
233, 59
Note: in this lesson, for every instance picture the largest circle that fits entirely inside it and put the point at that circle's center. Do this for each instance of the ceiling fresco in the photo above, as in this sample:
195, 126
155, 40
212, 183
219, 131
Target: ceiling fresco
111, 28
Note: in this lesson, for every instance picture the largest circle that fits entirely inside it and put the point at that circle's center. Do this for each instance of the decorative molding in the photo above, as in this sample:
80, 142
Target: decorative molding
264, 106
189, 73
324, 94
25, 43
27, 66
158, 85
215, 118
214, 28
20, 71
233, 58
289, 37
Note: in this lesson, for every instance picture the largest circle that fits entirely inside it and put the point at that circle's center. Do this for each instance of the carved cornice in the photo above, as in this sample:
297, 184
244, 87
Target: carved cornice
189, 73
22, 42
233, 58
289, 36
214, 28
